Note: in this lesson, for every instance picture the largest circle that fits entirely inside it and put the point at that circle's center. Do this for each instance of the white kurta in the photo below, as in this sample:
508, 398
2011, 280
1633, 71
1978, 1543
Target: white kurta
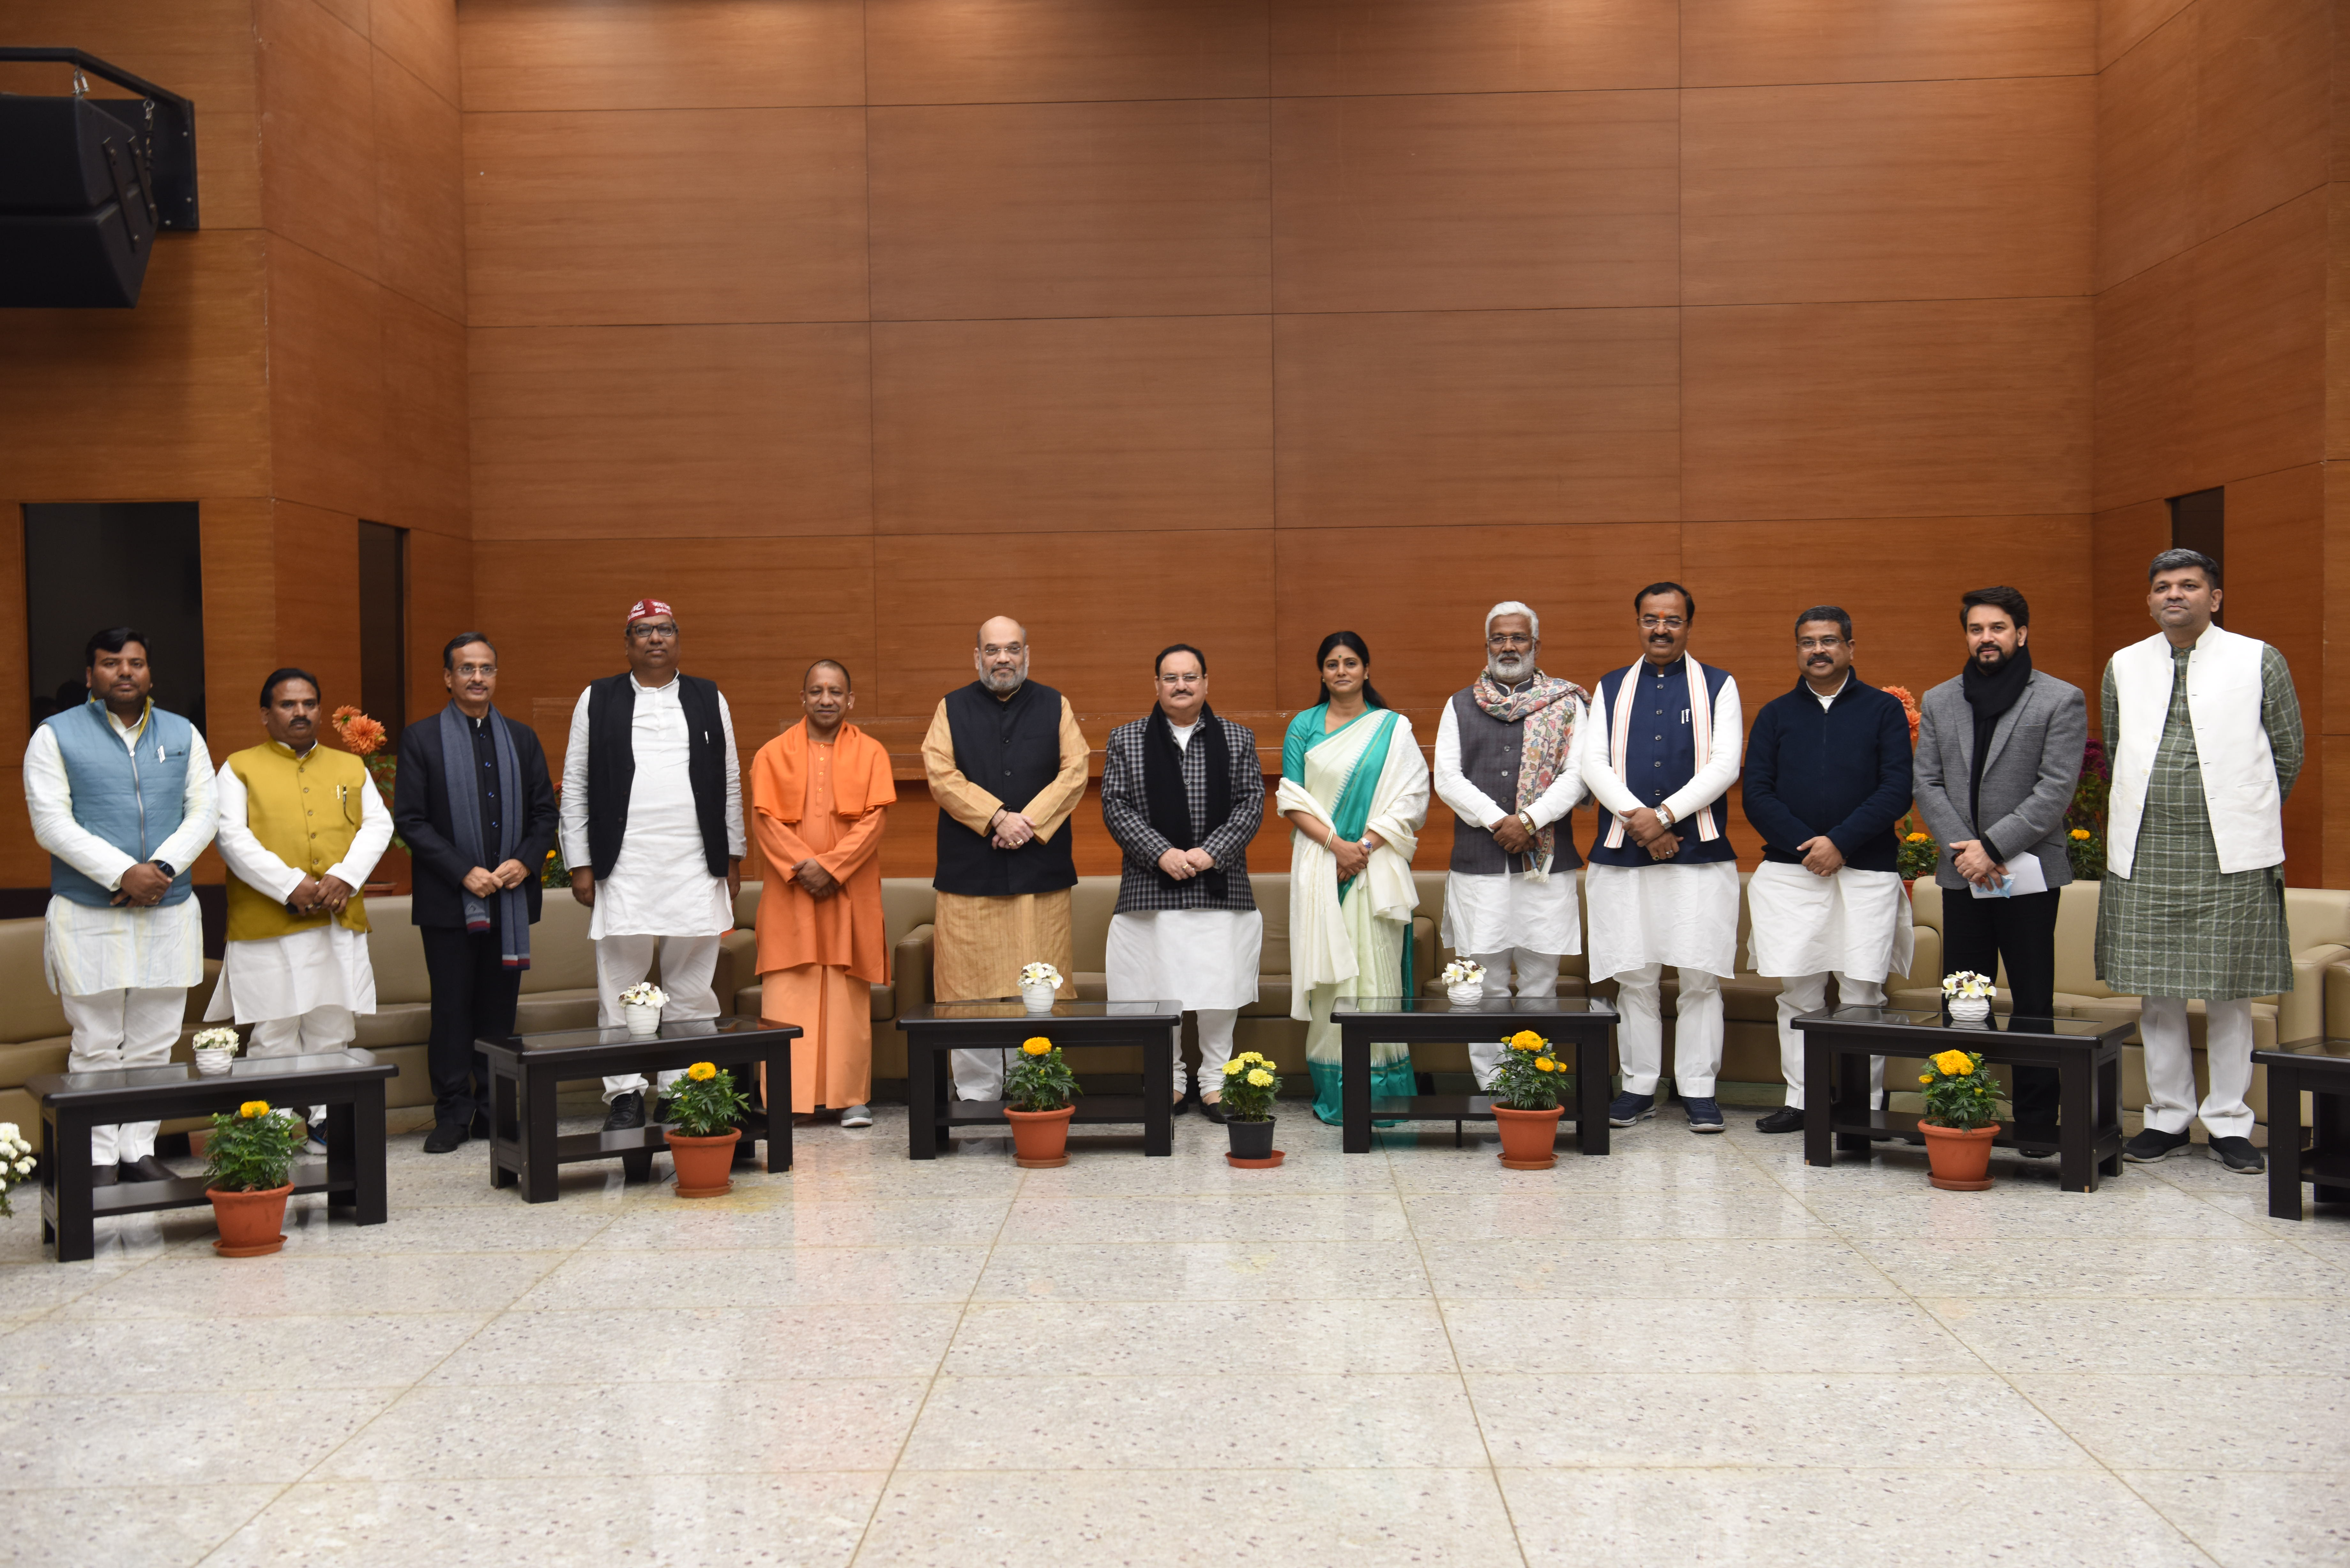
1200, 957
323, 966
85, 949
661, 886
1492, 914
1854, 922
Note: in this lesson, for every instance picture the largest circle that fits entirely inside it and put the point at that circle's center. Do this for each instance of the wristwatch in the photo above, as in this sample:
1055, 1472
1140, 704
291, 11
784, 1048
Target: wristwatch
166, 867
1665, 815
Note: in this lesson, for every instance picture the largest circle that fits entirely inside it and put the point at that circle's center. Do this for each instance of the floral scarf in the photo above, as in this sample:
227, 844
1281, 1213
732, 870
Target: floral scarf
1547, 706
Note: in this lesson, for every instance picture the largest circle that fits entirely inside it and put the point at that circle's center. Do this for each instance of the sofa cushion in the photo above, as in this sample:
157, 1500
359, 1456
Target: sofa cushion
395, 1024
396, 953
561, 956
32, 1014
31, 1058
551, 1010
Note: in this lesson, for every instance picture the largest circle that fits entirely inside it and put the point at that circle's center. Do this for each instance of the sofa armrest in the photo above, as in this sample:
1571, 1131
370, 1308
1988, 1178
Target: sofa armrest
738, 966
2319, 1003
910, 967
1423, 953
1926, 962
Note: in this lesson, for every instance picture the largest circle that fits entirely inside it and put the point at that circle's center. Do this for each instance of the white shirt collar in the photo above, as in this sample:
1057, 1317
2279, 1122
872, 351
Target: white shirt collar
1832, 696
669, 685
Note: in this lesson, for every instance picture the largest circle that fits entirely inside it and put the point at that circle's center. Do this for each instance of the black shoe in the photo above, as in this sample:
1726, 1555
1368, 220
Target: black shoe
661, 1108
147, 1168
1628, 1107
1214, 1111
2037, 1153
2152, 1145
627, 1111
1786, 1119
444, 1137
1185, 1102
105, 1175
2239, 1156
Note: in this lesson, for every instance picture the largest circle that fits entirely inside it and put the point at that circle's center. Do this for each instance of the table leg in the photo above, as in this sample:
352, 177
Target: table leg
77, 1226
2109, 1109
921, 1100
1591, 1091
342, 1129
505, 1133
2284, 1144
1355, 1088
1159, 1096
779, 1117
2330, 1130
2076, 1128
538, 1168
1852, 1089
1819, 1141
368, 1189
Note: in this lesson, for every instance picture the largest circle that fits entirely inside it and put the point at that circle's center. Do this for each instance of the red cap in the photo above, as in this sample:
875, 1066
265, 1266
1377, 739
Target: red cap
646, 609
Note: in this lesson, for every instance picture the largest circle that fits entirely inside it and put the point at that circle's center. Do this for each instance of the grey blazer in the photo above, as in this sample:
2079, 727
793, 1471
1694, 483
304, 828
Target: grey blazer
2028, 776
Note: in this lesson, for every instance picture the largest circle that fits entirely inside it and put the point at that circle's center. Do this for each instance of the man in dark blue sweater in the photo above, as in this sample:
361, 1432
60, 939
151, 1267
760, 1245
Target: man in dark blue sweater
1827, 775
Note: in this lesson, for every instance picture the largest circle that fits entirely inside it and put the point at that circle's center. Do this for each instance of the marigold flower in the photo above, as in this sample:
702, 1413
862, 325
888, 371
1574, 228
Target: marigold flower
1260, 1078
702, 1072
1526, 1040
1925, 1077
1545, 1064
252, 1108
1921, 838
1036, 1046
1955, 1062
2080, 835
1236, 1067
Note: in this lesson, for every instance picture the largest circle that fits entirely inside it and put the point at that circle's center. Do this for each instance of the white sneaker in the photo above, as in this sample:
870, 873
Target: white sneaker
856, 1116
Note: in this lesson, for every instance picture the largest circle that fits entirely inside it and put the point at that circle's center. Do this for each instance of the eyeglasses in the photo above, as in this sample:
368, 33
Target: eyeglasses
1509, 639
470, 671
1009, 650
643, 629
1662, 623
1179, 680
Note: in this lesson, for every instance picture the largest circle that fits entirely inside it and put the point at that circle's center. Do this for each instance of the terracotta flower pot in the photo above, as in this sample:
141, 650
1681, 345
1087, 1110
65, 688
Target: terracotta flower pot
1040, 1139
1959, 1157
1528, 1136
703, 1163
248, 1222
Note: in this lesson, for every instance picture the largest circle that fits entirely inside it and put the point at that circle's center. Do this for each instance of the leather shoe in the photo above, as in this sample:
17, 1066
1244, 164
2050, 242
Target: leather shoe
147, 1168
627, 1111
1213, 1110
444, 1137
1786, 1119
1184, 1102
105, 1175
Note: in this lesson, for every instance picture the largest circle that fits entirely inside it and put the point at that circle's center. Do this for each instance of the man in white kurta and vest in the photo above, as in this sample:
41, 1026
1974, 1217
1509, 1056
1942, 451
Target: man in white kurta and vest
1827, 775
1509, 763
301, 826
120, 794
1663, 750
2206, 741
1006, 765
1182, 793
652, 830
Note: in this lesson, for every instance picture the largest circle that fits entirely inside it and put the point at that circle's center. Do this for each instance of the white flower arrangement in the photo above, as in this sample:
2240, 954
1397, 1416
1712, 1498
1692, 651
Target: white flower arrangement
1966, 983
1039, 974
15, 1163
644, 993
220, 1039
1464, 971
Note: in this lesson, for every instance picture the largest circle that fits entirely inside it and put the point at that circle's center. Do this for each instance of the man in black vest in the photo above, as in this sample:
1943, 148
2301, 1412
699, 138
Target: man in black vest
475, 804
652, 830
1006, 763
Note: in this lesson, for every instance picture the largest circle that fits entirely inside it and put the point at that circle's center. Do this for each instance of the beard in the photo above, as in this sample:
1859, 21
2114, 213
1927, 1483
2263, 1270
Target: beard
1991, 656
1004, 681
1509, 669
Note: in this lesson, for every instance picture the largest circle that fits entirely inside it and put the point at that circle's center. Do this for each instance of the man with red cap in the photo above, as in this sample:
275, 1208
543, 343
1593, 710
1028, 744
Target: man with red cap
653, 829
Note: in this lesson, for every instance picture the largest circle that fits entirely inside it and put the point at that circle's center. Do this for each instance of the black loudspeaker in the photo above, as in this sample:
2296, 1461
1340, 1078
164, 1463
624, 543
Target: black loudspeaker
85, 185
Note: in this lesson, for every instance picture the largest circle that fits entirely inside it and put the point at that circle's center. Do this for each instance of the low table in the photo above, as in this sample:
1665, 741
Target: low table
526, 1070
349, 1084
933, 1113
1584, 1024
2320, 1069
2085, 1053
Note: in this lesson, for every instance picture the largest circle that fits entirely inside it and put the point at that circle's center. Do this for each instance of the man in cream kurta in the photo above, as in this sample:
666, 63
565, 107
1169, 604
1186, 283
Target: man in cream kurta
301, 827
652, 830
121, 797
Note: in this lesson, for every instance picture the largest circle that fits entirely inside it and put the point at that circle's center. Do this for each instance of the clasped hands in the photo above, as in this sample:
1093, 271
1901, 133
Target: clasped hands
1967, 857
483, 884
1185, 864
1652, 833
143, 885
318, 895
1011, 829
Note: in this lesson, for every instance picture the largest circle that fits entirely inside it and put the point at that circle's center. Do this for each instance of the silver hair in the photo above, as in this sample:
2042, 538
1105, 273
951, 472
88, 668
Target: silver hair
1513, 606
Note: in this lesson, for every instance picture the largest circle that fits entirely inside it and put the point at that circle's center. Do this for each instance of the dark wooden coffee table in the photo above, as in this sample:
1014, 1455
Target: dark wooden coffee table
527, 1070
349, 1084
2085, 1053
2320, 1069
933, 1113
1583, 1025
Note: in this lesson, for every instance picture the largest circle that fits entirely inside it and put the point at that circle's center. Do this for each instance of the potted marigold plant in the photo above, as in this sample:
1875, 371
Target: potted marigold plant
705, 1123
15, 1163
249, 1174
1039, 1097
1250, 1085
1919, 853
1526, 1087
1958, 1123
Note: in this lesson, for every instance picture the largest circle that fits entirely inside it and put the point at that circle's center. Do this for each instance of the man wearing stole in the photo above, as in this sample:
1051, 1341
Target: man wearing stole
1006, 765
301, 826
1355, 788
1663, 751
820, 793
1509, 764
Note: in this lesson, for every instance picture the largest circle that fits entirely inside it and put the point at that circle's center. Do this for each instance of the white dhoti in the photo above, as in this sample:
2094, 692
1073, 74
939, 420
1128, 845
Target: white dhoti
1204, 960
1853, 925
687, 967
122, 976
300, 992
135, 1026
1644, 918
1507, 921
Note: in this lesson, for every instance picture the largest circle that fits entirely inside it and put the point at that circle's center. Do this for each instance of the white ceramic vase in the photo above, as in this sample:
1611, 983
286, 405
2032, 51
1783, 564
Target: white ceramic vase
1969, 1009
643, 1022
1038, 998
1467, 993
214, 1063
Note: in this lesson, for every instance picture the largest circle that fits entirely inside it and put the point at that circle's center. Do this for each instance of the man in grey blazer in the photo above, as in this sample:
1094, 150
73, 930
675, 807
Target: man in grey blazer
1998, 751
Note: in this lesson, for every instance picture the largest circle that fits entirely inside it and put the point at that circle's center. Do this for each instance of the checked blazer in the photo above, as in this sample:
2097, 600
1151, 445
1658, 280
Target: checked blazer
1126, 812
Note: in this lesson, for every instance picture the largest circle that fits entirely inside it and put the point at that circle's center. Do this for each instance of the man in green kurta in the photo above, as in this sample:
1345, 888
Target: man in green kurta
2207, 741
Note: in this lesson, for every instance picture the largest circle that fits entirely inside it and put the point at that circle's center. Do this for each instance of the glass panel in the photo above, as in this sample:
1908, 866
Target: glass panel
684, 1029
2001, 1024
1012, 1007
1499, 1006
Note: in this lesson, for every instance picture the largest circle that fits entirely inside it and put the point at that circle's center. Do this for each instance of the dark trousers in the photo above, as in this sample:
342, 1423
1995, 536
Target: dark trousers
473, 994
1977, 934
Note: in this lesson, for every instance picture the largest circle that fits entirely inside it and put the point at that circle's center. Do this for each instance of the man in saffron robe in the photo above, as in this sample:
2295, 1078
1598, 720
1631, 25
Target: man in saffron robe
819, 793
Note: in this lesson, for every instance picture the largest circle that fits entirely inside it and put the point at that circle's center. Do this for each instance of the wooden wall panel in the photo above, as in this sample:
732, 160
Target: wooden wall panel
2334, 543
2273, 520
1478, 417
427, 480
2146, 153
1970, 408
1739, 43
599, 218
326, 381
317, 131
1362, 47
2263, 105
1129, 209
678, 54
1014, 51
1518, 200
2124, 24
440, 606
241, 567
2124, 540
421, 34
419, 191
626, 431
1888, 190
1027, 427
317, 600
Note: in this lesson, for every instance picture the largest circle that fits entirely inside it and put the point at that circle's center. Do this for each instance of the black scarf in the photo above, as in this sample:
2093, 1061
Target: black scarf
1990, 695
1170, 804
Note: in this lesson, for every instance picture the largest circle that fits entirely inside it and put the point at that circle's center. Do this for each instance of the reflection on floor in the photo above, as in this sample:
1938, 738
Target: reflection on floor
1696, 1350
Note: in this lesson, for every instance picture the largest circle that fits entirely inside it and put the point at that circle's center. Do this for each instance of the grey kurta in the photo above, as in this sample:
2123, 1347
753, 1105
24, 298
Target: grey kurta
2178, 925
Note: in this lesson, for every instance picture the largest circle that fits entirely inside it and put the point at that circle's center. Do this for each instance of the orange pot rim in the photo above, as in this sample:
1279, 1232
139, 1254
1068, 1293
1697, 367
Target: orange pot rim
730, 1135
233, 1193
1554, 1111
1065, 1111
1936, 1129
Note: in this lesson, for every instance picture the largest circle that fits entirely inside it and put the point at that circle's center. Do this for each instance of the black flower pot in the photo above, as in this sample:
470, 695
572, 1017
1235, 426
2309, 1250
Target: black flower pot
1251, 1140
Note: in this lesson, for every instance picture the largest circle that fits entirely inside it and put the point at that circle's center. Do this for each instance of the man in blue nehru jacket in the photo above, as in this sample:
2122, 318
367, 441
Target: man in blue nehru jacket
1663, 883
121, 797
1827, 775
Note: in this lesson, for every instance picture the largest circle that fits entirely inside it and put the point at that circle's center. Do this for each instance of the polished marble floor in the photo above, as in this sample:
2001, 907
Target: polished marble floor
1697, 1351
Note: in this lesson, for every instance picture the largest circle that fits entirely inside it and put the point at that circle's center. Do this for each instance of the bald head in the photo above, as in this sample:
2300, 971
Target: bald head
1001, 655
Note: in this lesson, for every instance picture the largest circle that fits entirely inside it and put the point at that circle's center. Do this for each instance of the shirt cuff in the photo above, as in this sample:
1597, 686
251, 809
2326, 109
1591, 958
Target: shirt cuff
1992, 850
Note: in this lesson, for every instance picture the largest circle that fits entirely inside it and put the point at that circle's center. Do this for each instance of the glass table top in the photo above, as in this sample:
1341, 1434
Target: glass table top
682, 1031
1499, 1006
1012, 1007
2075, 1028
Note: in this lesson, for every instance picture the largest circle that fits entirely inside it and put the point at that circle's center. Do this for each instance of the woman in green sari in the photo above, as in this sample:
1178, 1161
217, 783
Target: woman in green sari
1355, 788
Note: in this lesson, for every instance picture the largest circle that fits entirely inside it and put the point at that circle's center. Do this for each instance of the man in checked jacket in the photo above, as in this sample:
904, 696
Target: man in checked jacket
1182, 793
